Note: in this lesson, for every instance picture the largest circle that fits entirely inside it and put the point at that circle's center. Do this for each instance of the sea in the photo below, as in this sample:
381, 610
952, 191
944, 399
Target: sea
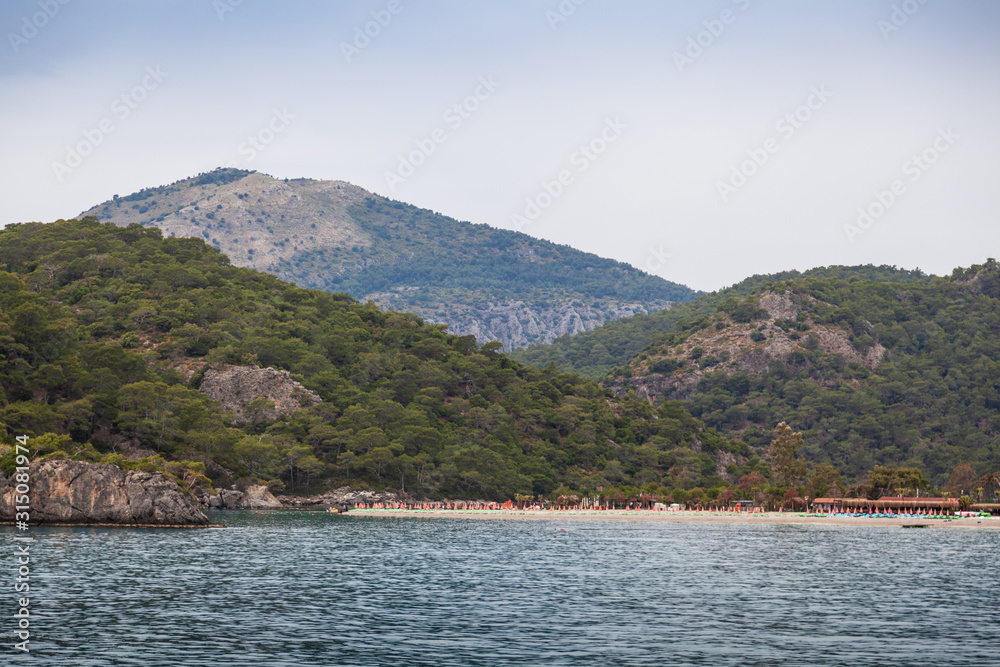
304, 588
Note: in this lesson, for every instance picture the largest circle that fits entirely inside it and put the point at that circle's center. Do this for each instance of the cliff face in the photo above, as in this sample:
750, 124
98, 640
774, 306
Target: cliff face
77, 492
748, 347
256, 497
235, 387
519, 323
342, 496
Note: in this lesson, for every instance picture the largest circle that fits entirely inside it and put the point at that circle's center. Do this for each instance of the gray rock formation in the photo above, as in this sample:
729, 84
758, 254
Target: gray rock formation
341, 496
77, 492
519, 324
256, 497
739, 347
235, 387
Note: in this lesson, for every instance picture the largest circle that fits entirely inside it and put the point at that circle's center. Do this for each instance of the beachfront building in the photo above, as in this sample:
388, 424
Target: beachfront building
890, 504
898, 505
826, 505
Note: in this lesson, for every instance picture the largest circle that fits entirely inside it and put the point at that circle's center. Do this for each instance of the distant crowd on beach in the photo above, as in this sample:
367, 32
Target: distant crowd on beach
509, 505
873, 510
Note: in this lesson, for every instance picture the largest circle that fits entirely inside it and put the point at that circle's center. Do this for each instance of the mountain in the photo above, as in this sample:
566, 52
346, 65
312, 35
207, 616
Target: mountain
120, 346
595, 353
873, 372
492, 283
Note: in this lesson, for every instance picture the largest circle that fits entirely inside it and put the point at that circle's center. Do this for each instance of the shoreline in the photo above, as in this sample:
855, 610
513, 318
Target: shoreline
773, 518
171, 526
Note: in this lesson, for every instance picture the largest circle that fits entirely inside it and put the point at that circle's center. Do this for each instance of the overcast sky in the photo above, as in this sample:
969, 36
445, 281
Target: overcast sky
701, 141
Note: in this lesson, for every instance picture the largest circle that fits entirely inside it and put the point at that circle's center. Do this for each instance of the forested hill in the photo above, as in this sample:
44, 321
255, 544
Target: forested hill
594, 353
107, 334
492, 283
872, 372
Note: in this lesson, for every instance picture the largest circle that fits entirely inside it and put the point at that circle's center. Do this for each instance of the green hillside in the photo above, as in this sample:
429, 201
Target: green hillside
900, 373
106, 333
595, 353
492, 283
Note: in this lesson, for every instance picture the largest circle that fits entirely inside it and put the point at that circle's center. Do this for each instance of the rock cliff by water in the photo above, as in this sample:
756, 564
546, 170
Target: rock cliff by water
255, 497
342, 496
77, 492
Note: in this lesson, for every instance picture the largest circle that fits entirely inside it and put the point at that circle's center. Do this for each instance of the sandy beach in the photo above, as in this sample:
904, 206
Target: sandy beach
784, 518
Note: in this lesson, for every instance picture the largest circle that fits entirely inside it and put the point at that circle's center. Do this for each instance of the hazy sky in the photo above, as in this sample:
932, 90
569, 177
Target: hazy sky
702, 141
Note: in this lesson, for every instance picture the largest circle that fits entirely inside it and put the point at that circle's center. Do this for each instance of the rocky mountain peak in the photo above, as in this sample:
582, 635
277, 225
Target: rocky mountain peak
493, 283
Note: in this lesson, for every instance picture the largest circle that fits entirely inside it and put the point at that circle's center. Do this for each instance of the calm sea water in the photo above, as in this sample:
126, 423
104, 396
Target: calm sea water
311, 589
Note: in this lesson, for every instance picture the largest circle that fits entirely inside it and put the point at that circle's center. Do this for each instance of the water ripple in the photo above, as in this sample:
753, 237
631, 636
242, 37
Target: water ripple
311, 589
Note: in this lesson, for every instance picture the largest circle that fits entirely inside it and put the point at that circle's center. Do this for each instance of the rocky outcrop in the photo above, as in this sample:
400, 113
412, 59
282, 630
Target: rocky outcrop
519, 324
342, 496
748, 347
259, 497
778, 306
77, 492
236, 387
256, 497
